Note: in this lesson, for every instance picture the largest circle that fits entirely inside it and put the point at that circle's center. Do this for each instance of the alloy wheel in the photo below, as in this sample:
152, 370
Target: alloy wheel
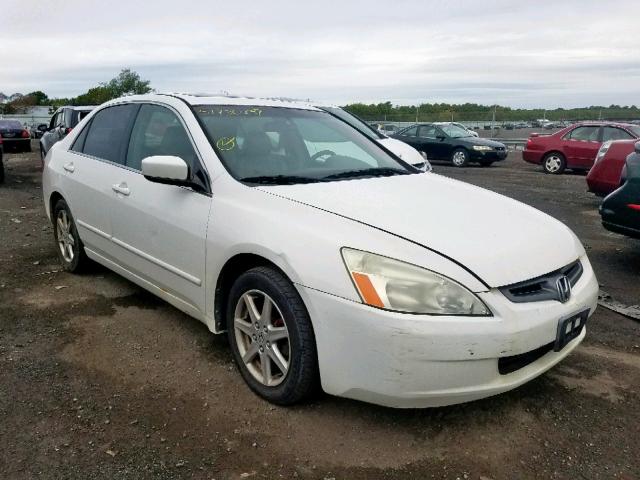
262, 338
459, 158
66, 240
553, 163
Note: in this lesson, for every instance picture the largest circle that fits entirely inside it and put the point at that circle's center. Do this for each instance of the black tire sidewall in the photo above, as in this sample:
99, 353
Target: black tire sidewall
302, 375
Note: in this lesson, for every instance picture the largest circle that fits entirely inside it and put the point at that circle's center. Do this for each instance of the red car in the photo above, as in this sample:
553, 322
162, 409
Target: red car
604, 176
576, 146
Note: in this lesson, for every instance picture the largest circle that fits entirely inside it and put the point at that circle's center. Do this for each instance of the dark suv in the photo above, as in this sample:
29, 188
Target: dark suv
60, 125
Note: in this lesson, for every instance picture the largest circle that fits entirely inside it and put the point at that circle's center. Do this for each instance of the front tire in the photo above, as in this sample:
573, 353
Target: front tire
460, 157
68, 244
271, 337
554, 163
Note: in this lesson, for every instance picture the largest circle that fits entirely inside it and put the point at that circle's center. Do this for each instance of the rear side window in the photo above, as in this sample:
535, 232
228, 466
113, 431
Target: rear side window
589, 134
410, 132
158, 131
427, 131
614, 133
108, 133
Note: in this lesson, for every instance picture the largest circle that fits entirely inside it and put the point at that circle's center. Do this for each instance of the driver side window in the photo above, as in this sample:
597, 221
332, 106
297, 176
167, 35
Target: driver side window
158, 131
427, 131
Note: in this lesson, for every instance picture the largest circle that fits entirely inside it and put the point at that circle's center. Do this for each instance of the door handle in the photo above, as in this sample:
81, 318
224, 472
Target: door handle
121, 189
69, 167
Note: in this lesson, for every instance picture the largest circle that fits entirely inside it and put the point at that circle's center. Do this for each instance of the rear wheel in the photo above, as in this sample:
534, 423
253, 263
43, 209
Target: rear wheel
271, 337
460, 157
69, 246
27, 147
1, 169
554, 163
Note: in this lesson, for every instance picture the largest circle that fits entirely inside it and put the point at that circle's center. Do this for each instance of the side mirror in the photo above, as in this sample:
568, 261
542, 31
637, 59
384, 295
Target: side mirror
43, 127
166, 169
637, 147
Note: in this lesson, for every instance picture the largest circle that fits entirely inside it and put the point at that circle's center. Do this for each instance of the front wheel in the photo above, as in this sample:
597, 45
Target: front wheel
460, 157
69, 246
271, 337
554, 163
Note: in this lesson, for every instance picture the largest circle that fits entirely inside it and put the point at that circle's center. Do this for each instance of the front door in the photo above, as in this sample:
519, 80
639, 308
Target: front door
160, 230
581, 146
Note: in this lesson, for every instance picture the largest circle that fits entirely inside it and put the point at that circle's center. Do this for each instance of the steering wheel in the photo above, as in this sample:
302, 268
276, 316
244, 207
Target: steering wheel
322, 153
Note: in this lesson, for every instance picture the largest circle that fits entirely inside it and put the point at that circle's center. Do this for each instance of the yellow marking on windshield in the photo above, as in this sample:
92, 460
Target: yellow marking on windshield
225, 144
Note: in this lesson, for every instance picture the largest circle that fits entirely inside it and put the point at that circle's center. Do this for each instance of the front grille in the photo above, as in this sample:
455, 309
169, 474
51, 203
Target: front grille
513, 363
544, 287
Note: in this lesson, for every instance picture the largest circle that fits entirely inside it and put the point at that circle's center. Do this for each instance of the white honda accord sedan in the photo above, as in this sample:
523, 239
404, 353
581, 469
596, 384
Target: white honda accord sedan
328, 260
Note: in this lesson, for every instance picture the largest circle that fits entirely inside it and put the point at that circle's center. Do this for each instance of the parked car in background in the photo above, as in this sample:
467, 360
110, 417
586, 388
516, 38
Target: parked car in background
37, 130
604, 176
620, 210
388, 129
404, 151
574, 147
288, 229
451, 143
471, 131
62, 122
15, 136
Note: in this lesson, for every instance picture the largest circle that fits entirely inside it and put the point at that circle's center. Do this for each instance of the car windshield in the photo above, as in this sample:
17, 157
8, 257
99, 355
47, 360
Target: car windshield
275, 145
10, 124
454, 131
355, 122
635, 131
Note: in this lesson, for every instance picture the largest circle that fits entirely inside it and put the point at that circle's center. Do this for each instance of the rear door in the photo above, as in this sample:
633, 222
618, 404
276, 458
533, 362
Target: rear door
90, 168
581, 146
160, 230
428, 142
409, 136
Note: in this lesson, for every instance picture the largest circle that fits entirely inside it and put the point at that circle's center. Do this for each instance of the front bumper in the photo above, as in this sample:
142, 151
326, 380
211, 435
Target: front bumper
403, 360
490, 155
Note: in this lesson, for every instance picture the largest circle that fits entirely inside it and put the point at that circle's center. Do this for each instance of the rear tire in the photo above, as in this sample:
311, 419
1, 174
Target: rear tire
28, 147
460, 157
266, 340
68, 244
1, 169
554, 163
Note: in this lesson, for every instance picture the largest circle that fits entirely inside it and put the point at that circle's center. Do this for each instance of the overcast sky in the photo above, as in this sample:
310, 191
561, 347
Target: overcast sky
518, 53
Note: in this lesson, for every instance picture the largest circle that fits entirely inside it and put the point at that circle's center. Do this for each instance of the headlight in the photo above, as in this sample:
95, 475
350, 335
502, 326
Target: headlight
482, 148
604, 148
394, 285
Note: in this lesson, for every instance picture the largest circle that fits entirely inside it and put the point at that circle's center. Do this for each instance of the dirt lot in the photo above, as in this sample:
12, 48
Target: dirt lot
100, 380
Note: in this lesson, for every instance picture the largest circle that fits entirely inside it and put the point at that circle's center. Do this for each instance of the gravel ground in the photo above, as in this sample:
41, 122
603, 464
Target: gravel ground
99, 379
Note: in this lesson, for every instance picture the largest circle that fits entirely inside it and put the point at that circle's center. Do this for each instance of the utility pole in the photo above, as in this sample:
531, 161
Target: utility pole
417, 110
493, 121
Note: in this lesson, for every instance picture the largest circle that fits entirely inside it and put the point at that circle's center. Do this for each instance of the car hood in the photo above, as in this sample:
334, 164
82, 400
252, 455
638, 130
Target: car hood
403, 150
500, 240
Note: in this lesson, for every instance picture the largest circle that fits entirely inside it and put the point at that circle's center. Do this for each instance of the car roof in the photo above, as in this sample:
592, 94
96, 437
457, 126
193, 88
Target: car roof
207, 99
78, 107
605, 123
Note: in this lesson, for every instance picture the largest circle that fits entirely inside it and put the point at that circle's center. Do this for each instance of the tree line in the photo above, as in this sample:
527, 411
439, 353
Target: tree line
127, 82
475, 112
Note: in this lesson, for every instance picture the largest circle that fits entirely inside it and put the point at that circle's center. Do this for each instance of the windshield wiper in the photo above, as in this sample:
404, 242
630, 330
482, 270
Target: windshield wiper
278, 179
367, 172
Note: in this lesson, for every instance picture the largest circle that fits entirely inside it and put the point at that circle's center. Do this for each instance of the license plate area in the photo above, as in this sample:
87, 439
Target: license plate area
569, 328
